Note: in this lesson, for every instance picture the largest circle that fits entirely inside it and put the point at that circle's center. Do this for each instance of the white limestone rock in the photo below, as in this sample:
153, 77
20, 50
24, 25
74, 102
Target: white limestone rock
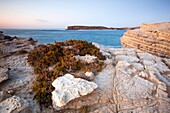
3, 74
148, 62
87, 58
123, 51
108, 55
68, 88
14, 105
143, 74
101, 47
138, 66
89, 75
123, 64
127, 58
146, 56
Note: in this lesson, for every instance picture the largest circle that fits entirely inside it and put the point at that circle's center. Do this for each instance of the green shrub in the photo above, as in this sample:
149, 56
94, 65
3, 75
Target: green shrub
60, 57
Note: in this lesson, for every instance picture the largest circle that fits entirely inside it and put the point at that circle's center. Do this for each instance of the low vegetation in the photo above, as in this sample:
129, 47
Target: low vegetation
54, 60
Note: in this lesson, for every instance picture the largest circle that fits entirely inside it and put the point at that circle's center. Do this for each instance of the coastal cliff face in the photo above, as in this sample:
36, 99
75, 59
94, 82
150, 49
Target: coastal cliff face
151, 38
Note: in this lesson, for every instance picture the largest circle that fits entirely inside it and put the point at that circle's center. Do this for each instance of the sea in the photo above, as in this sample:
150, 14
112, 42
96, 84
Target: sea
109, 38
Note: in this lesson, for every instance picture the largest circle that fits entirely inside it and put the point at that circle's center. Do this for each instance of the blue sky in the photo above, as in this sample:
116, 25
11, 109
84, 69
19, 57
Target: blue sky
55, 14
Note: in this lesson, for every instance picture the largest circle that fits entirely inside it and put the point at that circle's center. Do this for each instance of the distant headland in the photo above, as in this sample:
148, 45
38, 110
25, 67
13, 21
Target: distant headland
98, 28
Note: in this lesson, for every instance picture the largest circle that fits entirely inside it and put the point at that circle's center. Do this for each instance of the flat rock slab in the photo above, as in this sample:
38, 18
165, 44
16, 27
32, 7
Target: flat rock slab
68, 88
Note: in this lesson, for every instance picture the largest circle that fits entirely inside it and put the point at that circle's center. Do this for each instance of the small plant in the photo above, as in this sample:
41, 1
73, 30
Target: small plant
84, 109
60, 56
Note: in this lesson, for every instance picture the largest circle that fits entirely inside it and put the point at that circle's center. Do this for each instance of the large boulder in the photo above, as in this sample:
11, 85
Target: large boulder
68, 88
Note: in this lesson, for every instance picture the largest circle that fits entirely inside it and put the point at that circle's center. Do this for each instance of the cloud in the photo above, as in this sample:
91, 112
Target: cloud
42, 21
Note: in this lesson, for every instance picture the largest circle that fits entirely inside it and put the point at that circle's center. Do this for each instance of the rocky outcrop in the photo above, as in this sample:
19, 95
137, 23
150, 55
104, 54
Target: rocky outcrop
13, 62
98, 28
68, 88
14, 105
132, 81
152, 38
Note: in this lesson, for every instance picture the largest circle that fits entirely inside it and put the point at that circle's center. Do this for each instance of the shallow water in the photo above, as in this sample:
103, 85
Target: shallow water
110, 38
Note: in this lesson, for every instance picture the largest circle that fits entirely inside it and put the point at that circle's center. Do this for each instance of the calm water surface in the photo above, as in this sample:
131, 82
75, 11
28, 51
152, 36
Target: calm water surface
110, 38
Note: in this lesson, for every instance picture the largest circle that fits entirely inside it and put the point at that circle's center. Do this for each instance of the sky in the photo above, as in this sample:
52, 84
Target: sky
58, 14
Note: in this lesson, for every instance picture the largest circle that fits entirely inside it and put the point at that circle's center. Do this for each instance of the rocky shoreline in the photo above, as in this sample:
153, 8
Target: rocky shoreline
131, 81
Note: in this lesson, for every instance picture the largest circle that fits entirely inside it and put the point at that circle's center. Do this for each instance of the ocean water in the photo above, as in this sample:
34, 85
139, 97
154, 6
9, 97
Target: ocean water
110, 38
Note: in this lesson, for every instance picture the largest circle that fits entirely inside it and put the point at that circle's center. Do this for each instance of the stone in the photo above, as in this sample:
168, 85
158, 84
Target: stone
89, 75
14, 104
146, 56
123, 51
167, 62
148, 62
1, 95
161, 67
153, 77
108, 55
68, 88
1, 35
127, 58
101, 47
10, 91
3, 74
123, 64
162, 86
138, 66
127, 68
143, 74
87, 58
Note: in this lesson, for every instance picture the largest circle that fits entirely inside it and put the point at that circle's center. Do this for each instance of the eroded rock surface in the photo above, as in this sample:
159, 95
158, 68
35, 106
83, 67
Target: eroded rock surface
3, 74
14, 105
152, 38
68, 88
130, 82
13, 59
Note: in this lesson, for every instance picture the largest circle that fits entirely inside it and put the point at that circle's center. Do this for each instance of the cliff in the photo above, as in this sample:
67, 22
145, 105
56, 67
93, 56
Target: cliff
151, 38
98, 28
